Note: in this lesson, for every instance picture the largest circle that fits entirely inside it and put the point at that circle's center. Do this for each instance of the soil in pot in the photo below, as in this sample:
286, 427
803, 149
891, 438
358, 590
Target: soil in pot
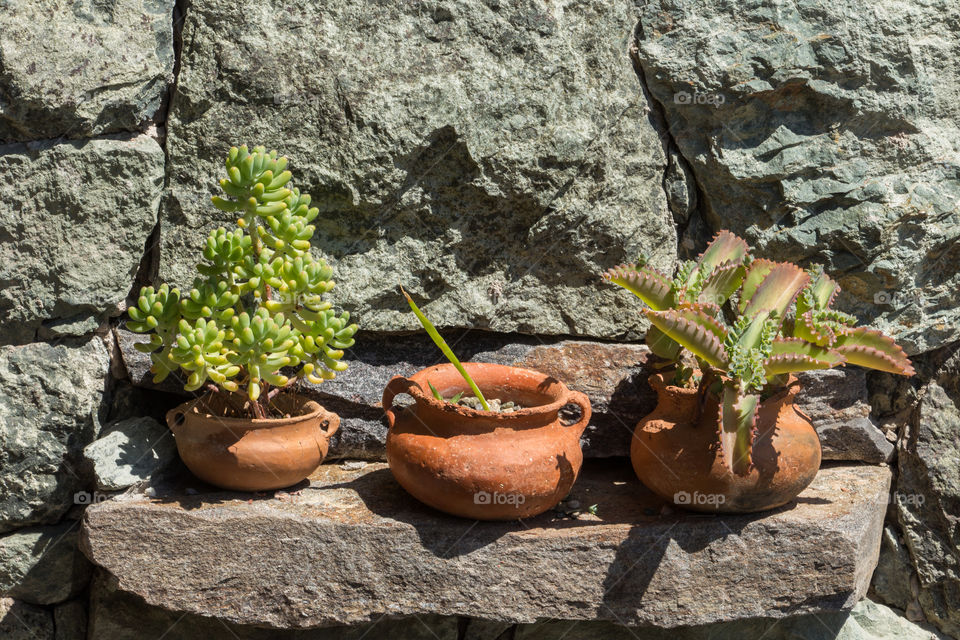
485, 465
252, 454
676, 452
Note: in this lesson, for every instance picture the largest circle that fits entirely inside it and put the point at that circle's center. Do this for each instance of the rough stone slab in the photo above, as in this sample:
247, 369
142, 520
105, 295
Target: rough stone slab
22, 621
115, 615
613, 375
82, 68
70, 620
352, 546
894, 580
51, 398
494, 157
42, 565
824, 133
868, 620
836, 401
928, 493
74, 221
129, 451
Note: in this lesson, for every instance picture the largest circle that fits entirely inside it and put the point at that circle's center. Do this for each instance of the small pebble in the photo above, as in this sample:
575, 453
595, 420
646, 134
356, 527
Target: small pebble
573, 504
150, 492
353, 465
190, 491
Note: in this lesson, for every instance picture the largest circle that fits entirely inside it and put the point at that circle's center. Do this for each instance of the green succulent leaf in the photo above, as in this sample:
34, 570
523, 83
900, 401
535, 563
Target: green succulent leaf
648, 284
692, 332
770, 288
447, 351
738, 422
874, 350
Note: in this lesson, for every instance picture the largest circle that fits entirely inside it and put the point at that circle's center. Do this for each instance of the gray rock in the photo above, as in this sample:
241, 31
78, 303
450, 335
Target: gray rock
22, 621
824, 133
50, 404
81, 68
76, 216
868, 620
42, 565
873, 621
353, 546
129, 451
928, 494
836, 401
894, 572
494, 157
70, 620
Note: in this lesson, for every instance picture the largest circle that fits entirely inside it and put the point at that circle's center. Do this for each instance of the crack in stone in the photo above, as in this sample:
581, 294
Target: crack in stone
670, 149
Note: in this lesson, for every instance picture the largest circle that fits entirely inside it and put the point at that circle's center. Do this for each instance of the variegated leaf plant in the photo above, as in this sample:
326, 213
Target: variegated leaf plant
758, 349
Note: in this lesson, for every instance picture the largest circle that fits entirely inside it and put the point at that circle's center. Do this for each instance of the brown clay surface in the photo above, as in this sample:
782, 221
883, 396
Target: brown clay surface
482, 464
253, 455
676, 453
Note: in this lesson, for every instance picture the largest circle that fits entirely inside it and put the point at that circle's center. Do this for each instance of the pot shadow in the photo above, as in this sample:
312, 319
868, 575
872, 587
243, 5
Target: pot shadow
176, 486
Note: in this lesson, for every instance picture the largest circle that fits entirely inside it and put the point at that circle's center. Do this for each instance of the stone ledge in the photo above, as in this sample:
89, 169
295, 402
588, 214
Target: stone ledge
351, 546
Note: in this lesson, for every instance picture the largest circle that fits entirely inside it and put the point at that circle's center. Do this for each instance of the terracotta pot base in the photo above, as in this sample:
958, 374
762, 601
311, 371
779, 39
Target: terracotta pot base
676, 453
252, 454
481, 464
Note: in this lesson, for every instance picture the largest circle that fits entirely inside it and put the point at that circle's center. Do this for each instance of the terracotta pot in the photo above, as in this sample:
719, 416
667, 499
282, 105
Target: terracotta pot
481, 464
252, 454
676, 452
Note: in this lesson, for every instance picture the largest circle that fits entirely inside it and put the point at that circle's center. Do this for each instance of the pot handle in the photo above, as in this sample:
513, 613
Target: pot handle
332, 421
582, 401
397, 384
177, 415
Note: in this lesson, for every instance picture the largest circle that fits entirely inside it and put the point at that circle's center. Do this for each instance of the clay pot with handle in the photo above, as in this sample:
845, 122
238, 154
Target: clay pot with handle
676, 452
252, 454
482, 464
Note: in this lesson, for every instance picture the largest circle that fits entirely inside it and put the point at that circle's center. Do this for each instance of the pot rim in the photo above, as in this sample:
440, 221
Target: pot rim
416, 390
311, 410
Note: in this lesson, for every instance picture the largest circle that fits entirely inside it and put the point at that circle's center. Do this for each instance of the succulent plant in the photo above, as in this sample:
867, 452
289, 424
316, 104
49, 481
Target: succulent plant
701, 285
782, 322
258, 303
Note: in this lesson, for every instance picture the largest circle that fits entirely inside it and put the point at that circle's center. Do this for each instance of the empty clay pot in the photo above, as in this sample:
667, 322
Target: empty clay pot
252, 454
676, 452
482, 464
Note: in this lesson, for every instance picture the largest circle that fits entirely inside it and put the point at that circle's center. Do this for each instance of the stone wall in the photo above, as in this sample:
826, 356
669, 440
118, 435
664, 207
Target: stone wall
493, 156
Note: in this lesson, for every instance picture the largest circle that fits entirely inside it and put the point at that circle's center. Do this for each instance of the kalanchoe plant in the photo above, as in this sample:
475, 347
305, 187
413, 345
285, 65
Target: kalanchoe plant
258, 304
701, 285
752, 355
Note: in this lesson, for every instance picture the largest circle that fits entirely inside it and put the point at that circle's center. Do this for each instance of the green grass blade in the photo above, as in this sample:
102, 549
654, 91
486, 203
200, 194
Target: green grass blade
447, 351
433, 389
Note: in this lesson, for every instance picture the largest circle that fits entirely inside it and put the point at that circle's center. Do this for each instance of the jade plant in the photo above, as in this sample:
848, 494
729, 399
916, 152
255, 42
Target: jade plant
448, 352
257, 305
779, 321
